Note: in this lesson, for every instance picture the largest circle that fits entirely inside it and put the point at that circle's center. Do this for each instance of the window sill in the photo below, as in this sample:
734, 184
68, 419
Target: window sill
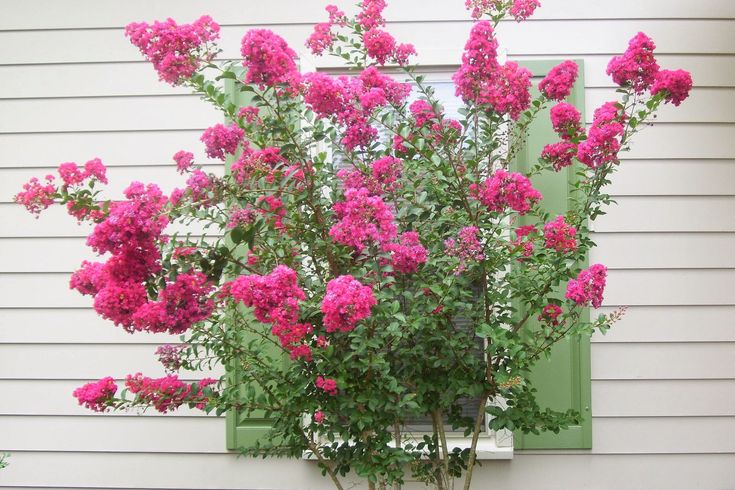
494, 446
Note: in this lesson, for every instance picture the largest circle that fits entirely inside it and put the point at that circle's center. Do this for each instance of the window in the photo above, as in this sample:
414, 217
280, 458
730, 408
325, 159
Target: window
563, 381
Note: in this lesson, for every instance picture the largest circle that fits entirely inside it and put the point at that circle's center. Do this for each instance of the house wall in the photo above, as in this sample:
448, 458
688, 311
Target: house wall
663, 389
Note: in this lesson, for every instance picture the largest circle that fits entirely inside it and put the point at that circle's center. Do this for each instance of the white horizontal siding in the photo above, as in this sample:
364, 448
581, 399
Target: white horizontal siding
663, 376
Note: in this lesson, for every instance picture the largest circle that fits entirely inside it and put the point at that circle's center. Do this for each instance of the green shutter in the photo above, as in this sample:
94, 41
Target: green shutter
243, 429
563, 381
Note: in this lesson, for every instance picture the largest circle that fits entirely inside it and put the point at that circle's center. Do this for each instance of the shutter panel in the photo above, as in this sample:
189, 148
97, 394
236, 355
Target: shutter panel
563, 381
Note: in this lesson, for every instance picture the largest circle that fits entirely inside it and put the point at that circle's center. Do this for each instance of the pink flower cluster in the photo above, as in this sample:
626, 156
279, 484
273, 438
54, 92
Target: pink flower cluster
97, 396
482, 80
275, 299
72, 175
382, 47
560, 236
550, 314
328, 385
604, 138
637, 67
254, 164
558, 83
559, 154
322, 38
241, 216
408, 254
467, 247
588, 287
566, 119
371, 14
170, 356
220, 140
184, 161
36, 196
345, 303
169, 392
268, 59
176, 51
351, 100
131, 232
383, 178
363, 219
519, 9
524, 240
180, 305
675, 84
506, 190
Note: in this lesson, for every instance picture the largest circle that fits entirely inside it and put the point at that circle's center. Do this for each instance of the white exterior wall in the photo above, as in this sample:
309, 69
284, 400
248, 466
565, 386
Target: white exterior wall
72, 88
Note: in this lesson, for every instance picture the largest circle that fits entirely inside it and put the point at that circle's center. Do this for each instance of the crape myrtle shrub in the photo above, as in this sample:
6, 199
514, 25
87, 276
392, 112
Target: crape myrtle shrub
334, 260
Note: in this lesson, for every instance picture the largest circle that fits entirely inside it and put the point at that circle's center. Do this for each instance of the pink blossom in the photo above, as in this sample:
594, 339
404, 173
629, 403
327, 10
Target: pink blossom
565, 119
603, 140
408, 254
184, 160
479, 63
199, 185
336, 16
422, 112
252, 165
90, 278
676, 85
118, 302
588, 287
241, 216
176, 51
558, 83
321, 39
345, 303
506, 190
523, 9
169, 392
274, 297
637, 67
170, 356
97, 396
560, 236
371, 14
249, 114
328, 385
524, 241
379, 45
220, 140
560, 154
510, 92
385, 174
403, 52
272, 207
292, 335
467, 247
268, 59
35, 196
96, 170
319, 417
363, 219
180, 305
550, 314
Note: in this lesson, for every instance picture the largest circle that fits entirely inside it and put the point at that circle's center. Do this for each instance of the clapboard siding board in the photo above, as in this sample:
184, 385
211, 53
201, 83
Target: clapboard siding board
601, 37
653, 251
39, 14
664, 398
657, 324
631, 287
662, 377
160, 113
205, 434
83, 361
632, 178
536, 471
139, 78
666, 360
630, 214
683, 324
662, 141
646, 398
